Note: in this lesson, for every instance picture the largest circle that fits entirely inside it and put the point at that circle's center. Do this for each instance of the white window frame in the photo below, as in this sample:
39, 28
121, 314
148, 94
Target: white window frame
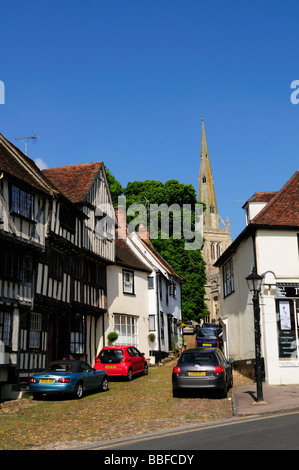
128, 282
228, 278
126, 326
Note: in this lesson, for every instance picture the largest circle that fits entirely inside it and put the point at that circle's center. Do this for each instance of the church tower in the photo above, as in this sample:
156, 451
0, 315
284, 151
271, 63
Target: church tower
216, 233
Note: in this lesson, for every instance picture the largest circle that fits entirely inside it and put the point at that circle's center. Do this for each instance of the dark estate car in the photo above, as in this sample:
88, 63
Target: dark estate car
208, 337
68, 377
202, 368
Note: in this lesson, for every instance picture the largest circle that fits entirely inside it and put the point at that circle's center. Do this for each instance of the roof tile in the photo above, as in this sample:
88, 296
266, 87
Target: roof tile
283, 207
74, 181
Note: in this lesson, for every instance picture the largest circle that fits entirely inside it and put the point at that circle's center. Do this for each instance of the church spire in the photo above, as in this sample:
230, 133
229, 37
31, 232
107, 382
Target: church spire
206, 190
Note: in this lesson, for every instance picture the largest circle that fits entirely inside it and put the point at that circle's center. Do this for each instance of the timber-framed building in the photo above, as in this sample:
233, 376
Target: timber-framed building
56, 241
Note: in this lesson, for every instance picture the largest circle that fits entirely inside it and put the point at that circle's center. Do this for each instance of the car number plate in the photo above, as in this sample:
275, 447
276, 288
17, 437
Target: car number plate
110, 367
207, 344
47, 381
197, 374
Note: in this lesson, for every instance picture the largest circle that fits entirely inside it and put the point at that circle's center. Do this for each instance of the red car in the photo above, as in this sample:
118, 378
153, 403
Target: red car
121, 361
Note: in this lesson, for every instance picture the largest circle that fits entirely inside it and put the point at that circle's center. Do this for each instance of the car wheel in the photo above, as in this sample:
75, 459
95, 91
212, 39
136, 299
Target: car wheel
224, 391
130, 375
78, 393
36, 395
176, 393
104, 385
145, 370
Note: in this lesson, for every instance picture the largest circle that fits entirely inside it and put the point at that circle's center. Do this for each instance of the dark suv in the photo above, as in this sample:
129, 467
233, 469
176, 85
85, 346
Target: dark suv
207, 337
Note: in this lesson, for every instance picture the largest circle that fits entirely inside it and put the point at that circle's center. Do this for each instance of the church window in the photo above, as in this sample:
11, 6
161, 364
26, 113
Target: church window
213, 255
204, 179
212, 209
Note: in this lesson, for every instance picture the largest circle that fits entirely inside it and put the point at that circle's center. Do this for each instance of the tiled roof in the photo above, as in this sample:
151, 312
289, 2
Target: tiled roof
74, 181
15, 163
283, 207
281, 212
262, 196
124, 256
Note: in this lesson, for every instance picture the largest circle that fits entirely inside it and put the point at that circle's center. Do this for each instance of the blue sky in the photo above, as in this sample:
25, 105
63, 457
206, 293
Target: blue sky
127, 82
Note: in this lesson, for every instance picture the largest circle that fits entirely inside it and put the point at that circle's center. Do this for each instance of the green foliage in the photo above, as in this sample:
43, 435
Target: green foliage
115, 187
171, 245
112, 336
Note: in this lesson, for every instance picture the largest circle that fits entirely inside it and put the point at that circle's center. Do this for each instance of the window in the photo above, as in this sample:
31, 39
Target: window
212, 250
22, 202
173, 290
128, 282
162, 324
35, 329
152, 323
287, 313
15, 266
126, 327
67, 219
104, 226
55, 259
228, 278
150, 282
136, 352
5, 328
78, 327
160, 288
89, 272
215, 250
27, 269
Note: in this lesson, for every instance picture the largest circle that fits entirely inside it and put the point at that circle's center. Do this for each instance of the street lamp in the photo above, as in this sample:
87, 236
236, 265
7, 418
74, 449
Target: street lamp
254, 282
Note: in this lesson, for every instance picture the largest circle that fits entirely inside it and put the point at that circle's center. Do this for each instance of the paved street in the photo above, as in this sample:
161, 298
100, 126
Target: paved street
276, 432
144, 405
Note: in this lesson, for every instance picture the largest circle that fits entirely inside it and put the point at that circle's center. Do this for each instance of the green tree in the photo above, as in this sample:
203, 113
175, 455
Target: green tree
188, 263
115, 187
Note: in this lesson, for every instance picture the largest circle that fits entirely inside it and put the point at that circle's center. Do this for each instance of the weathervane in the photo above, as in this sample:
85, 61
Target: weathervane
33, 139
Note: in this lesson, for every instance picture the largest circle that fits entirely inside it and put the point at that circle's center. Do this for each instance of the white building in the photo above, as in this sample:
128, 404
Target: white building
142, 285
164, 297
270, 242
127, 300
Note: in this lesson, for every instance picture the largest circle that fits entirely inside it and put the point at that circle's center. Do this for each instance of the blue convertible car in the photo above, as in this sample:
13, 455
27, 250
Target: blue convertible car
68, 376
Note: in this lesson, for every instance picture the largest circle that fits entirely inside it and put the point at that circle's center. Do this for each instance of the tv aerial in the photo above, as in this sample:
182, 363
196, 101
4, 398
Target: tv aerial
32, 139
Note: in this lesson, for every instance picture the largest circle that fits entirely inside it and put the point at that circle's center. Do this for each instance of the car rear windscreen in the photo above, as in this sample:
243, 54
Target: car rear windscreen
201, 358
207, 333
111, 356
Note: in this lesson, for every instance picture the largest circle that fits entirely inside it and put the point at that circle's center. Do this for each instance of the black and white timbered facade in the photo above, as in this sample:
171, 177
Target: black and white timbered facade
55, 243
